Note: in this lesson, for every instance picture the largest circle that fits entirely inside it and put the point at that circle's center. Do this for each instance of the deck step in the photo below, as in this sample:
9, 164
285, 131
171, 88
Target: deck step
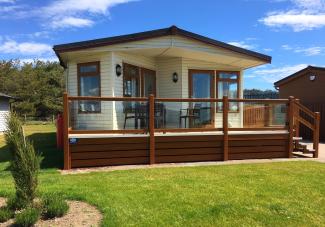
309, 151
297, 138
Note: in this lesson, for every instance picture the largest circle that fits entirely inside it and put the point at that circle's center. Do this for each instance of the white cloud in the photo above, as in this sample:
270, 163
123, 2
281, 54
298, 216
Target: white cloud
286, 47
299, 21
307, 51
71, 22
71, 7
7, 1
303, 15
33, 60
311, 51
24, 48
243, 44
70, 13
272, 74
310, 4
268, 49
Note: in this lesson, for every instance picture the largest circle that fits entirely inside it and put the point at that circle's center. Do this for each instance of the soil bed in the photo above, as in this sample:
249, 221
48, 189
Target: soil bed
79, 214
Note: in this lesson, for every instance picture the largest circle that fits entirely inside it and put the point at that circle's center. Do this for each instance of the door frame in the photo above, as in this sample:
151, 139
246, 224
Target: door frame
140, 78
142, 71
212, 90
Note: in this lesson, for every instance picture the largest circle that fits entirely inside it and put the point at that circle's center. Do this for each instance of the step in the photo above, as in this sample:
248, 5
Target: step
297, 138
309, 151
304, 151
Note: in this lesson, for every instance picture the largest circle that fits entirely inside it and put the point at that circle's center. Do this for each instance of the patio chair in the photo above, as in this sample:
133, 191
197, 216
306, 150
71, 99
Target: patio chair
141, 113
160, 115
129, 112
192, 114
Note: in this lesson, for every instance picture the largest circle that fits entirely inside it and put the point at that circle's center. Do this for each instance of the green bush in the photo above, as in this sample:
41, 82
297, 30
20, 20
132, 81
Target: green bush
27, 217
5, 214
54, 206
13, 203
25, 163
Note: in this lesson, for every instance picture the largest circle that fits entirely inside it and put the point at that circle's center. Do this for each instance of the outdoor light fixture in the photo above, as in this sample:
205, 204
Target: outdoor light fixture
118, 69
175, 77
312, 77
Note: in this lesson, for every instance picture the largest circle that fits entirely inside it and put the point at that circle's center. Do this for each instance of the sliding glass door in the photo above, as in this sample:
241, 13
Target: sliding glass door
148, 82
131, 81
201, 84
138, 81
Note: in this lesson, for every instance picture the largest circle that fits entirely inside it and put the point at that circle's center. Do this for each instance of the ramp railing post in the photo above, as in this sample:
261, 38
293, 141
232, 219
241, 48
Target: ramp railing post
291, 125
66, 149
316, 134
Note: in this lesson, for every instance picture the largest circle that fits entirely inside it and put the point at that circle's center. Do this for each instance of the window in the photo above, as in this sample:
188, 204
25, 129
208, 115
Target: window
89, 85
227, 85
131, 81
148, 80
138, 81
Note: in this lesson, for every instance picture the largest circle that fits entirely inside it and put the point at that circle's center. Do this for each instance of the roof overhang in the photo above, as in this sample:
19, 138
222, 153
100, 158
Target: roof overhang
217, 48
7, 96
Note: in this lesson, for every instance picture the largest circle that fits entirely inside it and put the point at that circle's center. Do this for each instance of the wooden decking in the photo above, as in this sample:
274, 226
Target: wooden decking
87, 148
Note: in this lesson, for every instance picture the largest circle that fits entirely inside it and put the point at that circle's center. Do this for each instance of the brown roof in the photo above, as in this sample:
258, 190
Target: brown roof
6, 96
297, 75
173, 30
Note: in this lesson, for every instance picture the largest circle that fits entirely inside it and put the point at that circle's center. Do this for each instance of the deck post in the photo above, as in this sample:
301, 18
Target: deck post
67, 158
225, 107
152, 128
316, 134
291, 129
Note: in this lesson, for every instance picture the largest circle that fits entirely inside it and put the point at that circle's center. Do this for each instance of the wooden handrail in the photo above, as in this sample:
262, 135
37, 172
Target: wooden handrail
260, 100
93, 98
306, 123
305, 109
142, 99
313, 126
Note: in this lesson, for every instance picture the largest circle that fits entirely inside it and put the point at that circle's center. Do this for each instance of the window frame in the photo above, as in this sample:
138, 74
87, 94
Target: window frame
142, 72
212, 89
88, 74
140, 78
237, 81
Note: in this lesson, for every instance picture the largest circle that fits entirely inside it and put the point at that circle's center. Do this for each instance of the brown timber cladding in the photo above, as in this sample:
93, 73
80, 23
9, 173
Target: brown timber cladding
88, 152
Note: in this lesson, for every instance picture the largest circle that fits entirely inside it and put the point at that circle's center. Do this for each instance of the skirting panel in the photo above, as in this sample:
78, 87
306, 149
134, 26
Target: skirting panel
189, 148
88, 152
258, 146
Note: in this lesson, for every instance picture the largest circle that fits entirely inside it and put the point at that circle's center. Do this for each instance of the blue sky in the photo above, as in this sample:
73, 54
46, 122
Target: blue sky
291, 31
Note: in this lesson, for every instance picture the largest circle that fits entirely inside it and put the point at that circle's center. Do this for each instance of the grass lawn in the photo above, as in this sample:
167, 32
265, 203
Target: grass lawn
272, 194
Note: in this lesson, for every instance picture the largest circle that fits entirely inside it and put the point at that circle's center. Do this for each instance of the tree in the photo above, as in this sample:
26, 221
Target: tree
38, 86
25, 163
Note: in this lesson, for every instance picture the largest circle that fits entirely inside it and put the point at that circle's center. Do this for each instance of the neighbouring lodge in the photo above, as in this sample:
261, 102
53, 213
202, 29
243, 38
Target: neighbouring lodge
4, 111
308, 86
166, 95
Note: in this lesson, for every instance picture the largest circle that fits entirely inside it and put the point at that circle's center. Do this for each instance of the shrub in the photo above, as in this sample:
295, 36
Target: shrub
25, 163
54, 206
13, 203
27, 217
5, 214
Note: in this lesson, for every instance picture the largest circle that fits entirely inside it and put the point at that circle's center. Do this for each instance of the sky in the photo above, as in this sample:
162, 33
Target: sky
291, 31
